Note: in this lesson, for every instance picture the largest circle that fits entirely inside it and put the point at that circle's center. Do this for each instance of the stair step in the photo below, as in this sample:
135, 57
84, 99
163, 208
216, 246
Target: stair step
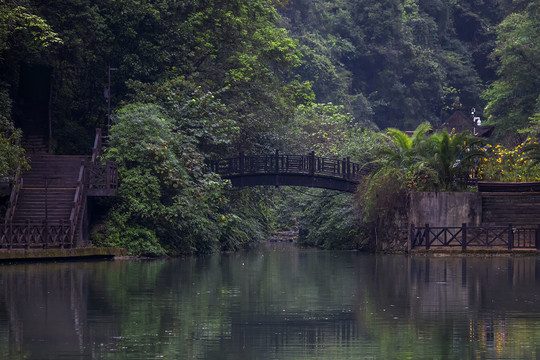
49, 187
508, 208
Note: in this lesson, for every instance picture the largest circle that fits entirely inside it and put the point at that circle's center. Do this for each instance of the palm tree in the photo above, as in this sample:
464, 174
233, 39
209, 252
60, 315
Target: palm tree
453, 157
404, 151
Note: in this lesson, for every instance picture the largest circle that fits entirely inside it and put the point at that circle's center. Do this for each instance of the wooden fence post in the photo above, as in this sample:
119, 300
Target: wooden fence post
312, 163
510, 237
348, 167
426, 237
464, 236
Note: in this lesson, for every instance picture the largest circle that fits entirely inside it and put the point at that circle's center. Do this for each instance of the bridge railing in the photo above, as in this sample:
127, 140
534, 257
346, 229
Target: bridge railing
285, 163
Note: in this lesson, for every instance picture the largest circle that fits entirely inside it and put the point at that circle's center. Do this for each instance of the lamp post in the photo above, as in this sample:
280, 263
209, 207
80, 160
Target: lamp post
107, 94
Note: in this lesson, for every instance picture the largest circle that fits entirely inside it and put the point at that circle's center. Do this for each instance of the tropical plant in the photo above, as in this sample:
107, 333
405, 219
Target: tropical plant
404, 151
454, 157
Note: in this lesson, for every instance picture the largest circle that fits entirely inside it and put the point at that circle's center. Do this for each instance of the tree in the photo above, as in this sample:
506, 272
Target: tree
404, 151
454, 157
513, 99
167, 201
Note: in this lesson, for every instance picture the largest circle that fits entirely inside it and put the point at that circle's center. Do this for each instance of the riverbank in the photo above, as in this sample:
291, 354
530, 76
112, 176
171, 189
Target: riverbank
61, 254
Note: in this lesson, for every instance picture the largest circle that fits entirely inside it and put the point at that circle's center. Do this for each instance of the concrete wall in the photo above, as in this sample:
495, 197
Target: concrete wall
445, 208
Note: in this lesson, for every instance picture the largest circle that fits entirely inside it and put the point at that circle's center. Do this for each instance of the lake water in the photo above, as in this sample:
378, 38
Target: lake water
278, 302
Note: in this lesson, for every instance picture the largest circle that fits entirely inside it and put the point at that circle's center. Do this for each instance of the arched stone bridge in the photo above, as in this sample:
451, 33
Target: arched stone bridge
291, 170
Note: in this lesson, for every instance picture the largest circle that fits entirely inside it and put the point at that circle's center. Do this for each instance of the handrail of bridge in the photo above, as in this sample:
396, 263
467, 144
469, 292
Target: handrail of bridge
290, 164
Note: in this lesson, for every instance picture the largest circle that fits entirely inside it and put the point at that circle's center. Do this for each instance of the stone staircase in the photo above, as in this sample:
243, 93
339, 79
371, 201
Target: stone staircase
35, 144
48, 204
510, 208
48, 189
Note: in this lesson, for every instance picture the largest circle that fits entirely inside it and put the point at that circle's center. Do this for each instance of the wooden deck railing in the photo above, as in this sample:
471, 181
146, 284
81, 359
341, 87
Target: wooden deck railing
287, 164
476, 237
102, 179
36, 234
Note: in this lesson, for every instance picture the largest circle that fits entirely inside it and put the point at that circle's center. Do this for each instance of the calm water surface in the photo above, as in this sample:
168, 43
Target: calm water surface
273, 303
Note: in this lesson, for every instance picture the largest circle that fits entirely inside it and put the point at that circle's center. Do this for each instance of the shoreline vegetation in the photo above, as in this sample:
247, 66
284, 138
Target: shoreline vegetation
190, 82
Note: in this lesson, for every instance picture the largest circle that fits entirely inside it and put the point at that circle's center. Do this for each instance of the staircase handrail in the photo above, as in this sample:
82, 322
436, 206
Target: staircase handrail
79, 197
77, 201
14, 196
96, 150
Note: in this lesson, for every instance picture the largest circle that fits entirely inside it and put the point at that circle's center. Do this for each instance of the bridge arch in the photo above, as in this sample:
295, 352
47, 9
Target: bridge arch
291, 170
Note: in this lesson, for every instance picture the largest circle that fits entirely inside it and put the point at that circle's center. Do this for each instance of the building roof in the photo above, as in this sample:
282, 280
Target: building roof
460, 122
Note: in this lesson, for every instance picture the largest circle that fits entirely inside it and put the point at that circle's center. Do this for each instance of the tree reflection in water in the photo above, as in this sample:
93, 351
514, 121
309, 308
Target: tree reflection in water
273, 303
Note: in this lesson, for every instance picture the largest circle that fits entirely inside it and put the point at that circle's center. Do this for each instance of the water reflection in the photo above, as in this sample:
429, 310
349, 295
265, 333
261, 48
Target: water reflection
273, 303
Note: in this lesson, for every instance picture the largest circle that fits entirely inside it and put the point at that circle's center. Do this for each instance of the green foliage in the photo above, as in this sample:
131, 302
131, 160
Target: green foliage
454, 157
434, 162
392, 61
198, 80
513, 97
166, 199
517, 164
200, 114
532, 148
382, 193
437, 162
248, 219
329, 220
12, 155
323, 128
404, 151
22, 31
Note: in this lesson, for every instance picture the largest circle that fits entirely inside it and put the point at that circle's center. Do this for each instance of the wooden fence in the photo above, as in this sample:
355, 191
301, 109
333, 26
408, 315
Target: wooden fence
475, 237
39, 234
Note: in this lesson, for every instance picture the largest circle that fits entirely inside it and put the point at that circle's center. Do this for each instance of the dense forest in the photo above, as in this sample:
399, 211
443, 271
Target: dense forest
193, 80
